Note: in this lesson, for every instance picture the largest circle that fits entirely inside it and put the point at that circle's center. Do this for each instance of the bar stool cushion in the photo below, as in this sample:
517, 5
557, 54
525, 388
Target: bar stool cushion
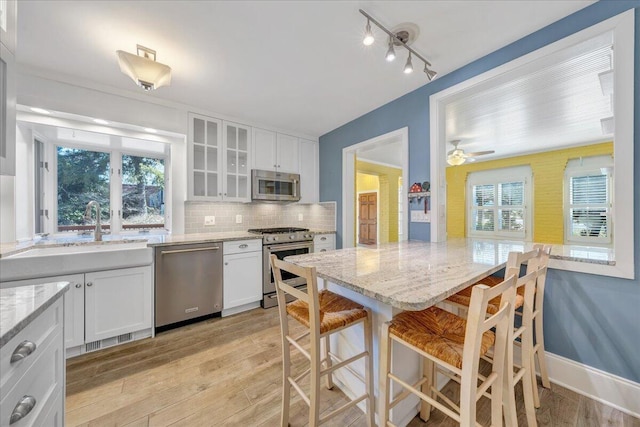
464, 296
335, 311
436, 332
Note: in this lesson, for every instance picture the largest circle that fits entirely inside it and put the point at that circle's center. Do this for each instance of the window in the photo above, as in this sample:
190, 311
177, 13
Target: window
125, 176
498, 203
588, 200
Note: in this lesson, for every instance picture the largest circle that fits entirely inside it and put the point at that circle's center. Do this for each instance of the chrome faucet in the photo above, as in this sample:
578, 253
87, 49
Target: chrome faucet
87, 217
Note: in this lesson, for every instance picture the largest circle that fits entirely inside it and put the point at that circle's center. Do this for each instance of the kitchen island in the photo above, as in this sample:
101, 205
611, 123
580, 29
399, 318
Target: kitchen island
401, 276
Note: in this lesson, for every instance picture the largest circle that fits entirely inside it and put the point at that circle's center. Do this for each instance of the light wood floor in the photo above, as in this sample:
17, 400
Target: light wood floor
227, 372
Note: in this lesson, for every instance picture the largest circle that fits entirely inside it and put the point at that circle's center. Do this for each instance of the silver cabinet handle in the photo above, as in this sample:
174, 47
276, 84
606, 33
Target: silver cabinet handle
243, 246
23, 349
78, 285
323, 238
89, 284
181, 251
22, 409
226, 263
323, 250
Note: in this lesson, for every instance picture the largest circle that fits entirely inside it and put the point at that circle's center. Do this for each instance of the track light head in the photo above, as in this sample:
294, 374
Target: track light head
408, 67
391, 53
368, 35
430, 73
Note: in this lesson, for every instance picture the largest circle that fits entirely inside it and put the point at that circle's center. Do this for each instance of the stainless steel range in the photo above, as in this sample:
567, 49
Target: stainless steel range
282, 242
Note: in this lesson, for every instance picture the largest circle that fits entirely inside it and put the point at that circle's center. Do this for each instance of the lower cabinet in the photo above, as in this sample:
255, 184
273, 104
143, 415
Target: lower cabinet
103, 308
33, 386
242, 276
324, 242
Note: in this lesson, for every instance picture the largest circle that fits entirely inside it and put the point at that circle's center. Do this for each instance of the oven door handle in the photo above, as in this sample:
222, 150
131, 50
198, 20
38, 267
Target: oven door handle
286, 247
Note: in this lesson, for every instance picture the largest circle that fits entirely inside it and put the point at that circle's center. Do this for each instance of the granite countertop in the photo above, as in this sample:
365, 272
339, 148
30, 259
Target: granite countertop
411, 275
183, 239
19, 306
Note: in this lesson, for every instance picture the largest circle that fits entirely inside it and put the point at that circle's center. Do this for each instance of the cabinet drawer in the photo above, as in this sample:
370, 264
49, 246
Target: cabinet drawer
241, 246
324, 242
40, 332
42, 381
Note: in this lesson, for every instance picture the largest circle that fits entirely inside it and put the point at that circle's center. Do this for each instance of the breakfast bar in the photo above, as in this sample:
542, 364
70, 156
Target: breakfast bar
401, 276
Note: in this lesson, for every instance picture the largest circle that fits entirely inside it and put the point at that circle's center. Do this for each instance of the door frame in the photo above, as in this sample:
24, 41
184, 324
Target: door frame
377, 191
349, 176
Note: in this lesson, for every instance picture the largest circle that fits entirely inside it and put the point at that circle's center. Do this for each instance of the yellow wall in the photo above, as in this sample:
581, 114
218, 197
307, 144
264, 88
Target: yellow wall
548, 180
387, 197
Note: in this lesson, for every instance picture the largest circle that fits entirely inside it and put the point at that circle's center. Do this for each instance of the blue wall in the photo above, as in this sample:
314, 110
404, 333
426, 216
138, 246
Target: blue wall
591, 319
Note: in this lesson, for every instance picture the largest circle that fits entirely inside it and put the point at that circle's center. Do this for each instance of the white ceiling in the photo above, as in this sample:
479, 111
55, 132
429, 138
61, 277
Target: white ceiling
297, 65
556, 101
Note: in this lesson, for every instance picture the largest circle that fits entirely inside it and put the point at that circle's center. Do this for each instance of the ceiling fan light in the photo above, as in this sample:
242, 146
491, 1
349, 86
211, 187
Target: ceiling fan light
408, 67
145, 72
455, 158
368, 35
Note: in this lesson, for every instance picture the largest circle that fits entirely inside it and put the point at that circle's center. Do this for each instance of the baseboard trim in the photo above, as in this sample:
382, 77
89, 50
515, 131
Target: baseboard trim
595, 384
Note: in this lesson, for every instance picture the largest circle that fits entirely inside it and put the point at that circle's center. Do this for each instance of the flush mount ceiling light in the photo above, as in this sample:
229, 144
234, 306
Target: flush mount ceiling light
143, 68
398, 39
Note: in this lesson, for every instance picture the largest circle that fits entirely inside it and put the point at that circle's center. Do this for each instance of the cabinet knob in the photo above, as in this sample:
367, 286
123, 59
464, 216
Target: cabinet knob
23, 349
22, 409
219, 194
226, 263
89, 283
78, 285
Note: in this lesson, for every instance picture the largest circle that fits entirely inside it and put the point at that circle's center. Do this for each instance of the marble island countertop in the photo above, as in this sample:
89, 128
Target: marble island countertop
19, 306
411, 275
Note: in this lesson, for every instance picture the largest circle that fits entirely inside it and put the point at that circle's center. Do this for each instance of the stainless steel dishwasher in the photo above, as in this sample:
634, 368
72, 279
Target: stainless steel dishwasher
188, 282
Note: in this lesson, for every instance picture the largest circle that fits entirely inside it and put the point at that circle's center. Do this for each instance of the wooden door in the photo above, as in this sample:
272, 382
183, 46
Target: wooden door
368, 218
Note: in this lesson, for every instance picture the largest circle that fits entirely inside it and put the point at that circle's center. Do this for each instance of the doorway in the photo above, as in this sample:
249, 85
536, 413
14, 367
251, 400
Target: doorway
368, 218
395, 146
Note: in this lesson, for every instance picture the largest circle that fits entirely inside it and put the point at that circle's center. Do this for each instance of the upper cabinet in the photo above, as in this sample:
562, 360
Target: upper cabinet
7, 112
8, 20
309, 171
275, 151
219, 160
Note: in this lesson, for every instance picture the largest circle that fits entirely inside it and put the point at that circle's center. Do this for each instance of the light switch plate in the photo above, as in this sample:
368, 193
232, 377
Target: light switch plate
238, 219
210, 220
300, 217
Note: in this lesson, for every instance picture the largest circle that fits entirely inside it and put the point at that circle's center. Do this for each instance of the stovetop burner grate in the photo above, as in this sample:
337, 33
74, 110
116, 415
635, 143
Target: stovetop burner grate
276, 230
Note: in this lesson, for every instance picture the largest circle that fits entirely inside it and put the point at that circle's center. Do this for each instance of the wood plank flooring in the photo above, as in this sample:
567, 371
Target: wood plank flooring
227, 372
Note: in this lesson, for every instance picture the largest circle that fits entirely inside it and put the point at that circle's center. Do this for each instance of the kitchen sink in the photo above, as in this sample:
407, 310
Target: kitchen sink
46, 261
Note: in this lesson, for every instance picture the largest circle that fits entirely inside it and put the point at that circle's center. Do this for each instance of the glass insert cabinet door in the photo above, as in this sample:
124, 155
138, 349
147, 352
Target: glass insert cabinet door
219, 160
236, 162
205, 149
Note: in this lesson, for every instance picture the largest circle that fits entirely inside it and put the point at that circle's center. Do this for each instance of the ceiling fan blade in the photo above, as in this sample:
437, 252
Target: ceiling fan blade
479, 153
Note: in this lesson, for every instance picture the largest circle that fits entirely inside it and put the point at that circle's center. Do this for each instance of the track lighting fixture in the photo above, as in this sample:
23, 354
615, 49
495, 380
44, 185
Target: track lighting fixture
368, 35
398, 41
408, 67
391, 53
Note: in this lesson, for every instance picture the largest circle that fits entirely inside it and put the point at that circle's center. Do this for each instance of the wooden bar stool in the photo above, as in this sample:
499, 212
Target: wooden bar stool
323, 313
537, 260
456, 344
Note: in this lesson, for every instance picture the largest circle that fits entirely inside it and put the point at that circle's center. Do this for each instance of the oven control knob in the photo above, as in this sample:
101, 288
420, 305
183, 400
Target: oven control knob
293, 236
307, 236
267, 239
275, 238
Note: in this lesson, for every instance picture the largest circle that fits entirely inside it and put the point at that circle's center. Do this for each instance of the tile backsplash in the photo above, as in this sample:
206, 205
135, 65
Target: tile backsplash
258, 215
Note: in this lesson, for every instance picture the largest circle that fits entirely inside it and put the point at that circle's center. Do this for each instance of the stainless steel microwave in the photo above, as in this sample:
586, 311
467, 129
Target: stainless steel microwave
275, 186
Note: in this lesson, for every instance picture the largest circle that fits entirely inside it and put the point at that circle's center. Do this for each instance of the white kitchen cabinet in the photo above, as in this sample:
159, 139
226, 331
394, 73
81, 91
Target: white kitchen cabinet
242, 275
308, 171
117, 302
103, 305
219, 163
275, 151
7, 111
324, 242
8, 21
73, 305
38, 379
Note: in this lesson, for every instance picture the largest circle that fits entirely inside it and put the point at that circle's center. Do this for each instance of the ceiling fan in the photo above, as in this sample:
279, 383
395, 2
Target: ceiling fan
457, 156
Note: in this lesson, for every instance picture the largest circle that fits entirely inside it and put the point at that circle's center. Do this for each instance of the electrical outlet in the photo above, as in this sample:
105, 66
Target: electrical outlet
300, 217
238, 219
210, 220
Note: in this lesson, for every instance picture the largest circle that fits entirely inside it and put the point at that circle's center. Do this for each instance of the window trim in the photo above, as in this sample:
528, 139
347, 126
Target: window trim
593, 167
495, 177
